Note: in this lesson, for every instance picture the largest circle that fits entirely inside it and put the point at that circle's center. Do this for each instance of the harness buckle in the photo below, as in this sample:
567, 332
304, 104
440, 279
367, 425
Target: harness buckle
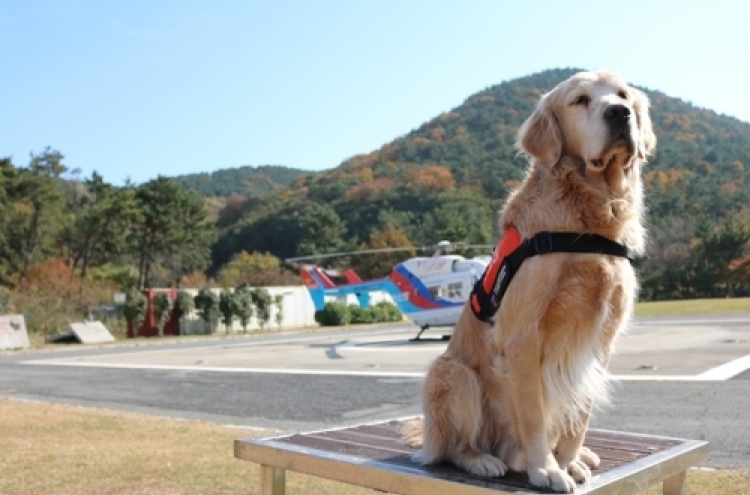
541, 249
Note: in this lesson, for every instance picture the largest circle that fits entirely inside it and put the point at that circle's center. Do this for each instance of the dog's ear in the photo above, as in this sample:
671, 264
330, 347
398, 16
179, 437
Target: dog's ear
540, 135
647, 138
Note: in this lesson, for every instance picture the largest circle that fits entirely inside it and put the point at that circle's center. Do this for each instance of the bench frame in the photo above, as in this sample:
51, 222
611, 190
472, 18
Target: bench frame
276, 457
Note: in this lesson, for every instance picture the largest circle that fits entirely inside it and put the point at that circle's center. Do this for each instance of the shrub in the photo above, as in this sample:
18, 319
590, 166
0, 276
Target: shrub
360, 315
207, 304
227, 308
243, 301
262, 301
390, 311
333, 314
135, 309
162, 307
183, 305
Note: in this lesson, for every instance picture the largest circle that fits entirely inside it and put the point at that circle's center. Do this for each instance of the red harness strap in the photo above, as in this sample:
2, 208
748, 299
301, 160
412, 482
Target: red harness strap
490, 282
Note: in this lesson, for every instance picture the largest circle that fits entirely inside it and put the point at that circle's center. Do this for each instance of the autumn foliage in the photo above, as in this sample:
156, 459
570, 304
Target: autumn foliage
51, 295
378, 265
255, 269
432, 178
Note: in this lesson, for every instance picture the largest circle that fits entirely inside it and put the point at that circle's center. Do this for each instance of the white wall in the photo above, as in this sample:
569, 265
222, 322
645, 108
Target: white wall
297, 309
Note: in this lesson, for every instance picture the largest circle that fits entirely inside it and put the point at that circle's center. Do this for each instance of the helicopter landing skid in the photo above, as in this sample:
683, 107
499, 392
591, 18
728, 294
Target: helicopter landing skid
421, 331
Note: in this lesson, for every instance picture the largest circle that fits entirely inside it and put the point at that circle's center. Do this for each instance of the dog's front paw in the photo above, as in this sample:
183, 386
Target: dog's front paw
579, 471
580, 465
553, 478
589, 458
481, 464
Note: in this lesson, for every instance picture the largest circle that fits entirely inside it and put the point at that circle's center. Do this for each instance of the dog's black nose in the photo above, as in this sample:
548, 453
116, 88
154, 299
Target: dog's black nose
617, 114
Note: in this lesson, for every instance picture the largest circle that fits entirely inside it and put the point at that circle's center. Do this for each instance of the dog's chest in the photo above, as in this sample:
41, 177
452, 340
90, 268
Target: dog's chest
575, 354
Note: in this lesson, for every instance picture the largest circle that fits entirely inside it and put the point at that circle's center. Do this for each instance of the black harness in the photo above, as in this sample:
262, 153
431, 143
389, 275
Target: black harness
485, 303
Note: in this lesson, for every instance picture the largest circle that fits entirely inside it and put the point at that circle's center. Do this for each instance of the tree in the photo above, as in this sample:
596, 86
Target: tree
162, 307
174, 232
322, 229
183, 306
278, 301
99, 232
432, 178
8, 185
254, 269
227, 308
135, 309
6, 301
380, 264
462, 217
207, 304
38, 192
243, 300
712, 255
262, 301
740, 273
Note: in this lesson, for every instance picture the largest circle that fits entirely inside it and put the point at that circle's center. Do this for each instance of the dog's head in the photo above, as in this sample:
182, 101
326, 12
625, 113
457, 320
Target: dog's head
594, 118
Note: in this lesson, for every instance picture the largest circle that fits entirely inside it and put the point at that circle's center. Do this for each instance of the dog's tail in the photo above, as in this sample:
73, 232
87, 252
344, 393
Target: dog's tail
412, 432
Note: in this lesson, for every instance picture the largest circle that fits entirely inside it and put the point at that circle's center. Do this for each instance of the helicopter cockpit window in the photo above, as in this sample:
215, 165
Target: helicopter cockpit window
454, 290
434, 291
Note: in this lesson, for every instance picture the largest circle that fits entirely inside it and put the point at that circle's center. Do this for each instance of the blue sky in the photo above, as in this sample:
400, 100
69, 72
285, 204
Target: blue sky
141, 88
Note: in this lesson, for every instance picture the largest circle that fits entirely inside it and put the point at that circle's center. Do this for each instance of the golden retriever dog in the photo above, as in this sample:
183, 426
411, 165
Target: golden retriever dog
517, 393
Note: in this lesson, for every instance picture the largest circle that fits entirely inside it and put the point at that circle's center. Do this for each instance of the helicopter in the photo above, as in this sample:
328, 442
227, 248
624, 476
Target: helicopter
430, 291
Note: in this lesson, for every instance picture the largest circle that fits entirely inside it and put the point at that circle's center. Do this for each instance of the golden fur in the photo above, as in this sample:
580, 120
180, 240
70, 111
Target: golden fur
518, 393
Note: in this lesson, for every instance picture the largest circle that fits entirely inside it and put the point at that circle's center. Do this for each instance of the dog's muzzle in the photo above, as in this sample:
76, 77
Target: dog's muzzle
618, 121
620, 144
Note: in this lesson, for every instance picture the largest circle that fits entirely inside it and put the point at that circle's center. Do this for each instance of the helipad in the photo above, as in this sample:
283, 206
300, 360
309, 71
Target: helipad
653, 349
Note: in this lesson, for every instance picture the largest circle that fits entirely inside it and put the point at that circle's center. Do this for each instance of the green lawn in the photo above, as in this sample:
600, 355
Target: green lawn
693, 307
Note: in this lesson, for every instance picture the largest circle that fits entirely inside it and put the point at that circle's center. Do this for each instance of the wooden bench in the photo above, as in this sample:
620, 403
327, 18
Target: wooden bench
374, 456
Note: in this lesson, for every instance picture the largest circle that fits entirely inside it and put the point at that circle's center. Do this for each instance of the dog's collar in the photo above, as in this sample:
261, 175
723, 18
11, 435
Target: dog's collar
512, 251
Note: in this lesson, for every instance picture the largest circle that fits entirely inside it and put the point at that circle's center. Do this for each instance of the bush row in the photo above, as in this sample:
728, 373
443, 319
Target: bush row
335, 314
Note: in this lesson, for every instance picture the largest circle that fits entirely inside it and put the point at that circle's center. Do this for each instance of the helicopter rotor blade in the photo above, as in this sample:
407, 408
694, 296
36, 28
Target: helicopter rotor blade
349, 253
440, 246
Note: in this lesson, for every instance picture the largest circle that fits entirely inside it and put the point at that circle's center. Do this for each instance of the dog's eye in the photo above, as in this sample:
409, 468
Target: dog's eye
582, 100
622, 94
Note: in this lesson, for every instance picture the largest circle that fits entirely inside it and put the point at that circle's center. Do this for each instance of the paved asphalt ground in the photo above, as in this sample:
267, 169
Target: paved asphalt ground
136, 379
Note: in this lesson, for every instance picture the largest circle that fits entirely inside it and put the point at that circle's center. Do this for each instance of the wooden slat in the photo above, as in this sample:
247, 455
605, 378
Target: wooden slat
631, 440
384, 442
391, 429
387, 445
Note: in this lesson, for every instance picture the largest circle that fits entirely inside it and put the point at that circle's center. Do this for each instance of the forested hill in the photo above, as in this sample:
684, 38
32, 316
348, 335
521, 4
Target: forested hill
700, 162
446, 180
243, 181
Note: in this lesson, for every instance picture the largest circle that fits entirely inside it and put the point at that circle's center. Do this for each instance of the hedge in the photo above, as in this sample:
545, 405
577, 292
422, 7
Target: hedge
337, 314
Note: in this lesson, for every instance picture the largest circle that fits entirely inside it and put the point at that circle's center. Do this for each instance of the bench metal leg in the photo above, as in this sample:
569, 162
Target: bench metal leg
676, 484
272, 480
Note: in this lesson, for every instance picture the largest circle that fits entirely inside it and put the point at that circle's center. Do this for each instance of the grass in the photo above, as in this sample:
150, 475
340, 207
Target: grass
693, 307
61, 449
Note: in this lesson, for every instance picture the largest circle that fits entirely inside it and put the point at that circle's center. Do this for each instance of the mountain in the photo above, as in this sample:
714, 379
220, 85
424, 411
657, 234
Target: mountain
700, 163
243, 181
447, 179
